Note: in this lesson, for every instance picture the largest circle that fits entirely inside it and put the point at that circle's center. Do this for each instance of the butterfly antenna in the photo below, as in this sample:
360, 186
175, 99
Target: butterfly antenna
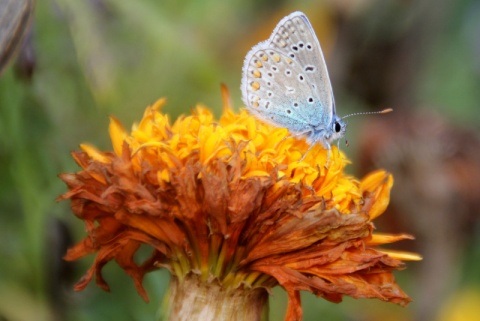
385, 111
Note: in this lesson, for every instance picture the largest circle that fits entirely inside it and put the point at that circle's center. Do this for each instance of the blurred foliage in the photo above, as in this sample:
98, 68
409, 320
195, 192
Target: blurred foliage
84, 60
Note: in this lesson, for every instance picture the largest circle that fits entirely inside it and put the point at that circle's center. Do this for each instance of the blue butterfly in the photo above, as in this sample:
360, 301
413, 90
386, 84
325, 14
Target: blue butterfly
285, 83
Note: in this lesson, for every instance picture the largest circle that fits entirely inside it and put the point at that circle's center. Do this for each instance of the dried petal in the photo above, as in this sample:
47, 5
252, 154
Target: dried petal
230, 200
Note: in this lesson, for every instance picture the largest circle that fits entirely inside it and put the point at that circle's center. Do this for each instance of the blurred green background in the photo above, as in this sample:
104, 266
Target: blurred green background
82, 61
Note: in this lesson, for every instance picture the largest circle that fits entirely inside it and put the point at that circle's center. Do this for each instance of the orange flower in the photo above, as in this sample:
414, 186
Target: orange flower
233, 201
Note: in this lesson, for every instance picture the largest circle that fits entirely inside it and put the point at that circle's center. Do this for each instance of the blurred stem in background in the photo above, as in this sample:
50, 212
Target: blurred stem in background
25, 187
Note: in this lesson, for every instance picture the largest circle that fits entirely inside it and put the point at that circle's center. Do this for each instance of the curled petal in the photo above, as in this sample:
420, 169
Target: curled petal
231, 201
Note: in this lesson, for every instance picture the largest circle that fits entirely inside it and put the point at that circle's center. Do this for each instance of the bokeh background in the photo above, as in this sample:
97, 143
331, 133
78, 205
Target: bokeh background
82, 61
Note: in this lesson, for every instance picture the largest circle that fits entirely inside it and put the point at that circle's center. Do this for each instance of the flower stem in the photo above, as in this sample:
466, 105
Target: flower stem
191, 299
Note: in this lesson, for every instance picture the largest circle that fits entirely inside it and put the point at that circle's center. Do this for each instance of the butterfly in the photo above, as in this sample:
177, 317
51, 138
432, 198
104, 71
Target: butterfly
285, 83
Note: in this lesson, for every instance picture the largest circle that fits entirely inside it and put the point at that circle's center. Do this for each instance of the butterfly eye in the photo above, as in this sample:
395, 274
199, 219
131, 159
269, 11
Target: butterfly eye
338, 127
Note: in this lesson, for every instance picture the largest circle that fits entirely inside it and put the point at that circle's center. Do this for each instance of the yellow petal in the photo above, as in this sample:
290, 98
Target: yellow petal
384, 238
117, 135
159, 104
163, 176
379, 183
95, 153
255, 173
402, 255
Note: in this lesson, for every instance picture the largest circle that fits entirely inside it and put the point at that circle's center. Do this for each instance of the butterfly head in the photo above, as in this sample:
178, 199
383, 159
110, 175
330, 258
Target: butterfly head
337, 130
326, 136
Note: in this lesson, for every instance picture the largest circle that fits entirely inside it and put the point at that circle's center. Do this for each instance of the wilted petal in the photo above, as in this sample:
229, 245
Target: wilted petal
231, 201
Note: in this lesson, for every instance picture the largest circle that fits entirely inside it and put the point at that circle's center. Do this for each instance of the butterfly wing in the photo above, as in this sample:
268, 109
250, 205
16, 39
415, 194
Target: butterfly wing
285, 80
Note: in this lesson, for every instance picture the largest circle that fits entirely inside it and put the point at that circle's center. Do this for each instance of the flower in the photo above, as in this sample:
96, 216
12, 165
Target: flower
233, 201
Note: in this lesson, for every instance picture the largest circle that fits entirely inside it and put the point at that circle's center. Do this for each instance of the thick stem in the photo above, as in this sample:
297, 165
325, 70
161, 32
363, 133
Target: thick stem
193, 300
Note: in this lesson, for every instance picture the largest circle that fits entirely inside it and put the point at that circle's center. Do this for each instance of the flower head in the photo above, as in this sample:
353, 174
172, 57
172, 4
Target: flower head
233, 201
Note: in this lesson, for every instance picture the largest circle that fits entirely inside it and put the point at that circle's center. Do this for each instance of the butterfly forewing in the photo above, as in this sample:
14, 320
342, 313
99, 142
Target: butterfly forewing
285, 81
295, 38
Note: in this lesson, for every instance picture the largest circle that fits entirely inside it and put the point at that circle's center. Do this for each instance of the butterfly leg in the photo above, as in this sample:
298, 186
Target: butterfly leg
329, 149
304, 155
296, 135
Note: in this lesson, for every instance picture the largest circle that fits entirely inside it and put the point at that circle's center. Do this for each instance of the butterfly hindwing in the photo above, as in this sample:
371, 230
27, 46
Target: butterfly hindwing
272, 88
